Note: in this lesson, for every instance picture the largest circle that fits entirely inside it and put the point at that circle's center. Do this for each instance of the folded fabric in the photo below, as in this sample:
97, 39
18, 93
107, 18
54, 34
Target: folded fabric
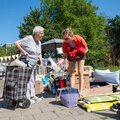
98, 99
77, 51
115, 96
106, 76
97, 106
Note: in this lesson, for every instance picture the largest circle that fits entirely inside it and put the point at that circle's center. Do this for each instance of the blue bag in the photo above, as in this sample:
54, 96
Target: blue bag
69, 96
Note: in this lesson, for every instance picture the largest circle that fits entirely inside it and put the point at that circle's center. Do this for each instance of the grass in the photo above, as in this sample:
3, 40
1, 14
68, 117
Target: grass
114, 68
111, 68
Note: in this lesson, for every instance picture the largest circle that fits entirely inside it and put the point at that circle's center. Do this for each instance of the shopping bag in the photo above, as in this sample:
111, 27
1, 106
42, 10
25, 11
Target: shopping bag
68, 96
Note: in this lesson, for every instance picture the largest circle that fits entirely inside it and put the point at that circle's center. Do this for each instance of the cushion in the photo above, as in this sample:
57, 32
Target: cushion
98, 99
106, 71
97, 72
101, 105
97, 106
106, 76
115, 96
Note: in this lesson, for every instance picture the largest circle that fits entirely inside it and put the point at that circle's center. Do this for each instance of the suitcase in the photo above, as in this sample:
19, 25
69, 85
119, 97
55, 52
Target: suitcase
15, 85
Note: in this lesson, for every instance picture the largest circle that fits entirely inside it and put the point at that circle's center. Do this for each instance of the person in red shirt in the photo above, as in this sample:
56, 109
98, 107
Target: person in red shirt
74, 49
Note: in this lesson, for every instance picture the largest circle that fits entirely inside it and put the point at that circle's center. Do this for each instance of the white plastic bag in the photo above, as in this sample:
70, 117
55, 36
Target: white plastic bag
54, 65
17, 62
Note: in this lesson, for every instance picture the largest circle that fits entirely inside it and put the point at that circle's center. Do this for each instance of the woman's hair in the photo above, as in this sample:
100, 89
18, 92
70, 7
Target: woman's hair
37, 29
67, 32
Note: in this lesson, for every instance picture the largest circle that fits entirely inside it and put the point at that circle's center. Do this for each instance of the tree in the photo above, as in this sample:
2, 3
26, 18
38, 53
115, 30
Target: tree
80, 15
113, 38
2, 51
12, 50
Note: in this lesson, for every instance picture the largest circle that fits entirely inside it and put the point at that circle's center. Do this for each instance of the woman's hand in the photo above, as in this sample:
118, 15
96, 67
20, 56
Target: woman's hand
25, 53
41, 66
60, 62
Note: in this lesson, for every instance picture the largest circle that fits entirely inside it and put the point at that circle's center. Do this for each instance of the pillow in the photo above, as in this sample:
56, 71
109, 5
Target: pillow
103, 70
97, 72
98, 99
106, 76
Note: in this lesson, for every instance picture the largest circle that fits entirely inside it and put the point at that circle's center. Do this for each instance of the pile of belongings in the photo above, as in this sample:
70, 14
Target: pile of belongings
100, 102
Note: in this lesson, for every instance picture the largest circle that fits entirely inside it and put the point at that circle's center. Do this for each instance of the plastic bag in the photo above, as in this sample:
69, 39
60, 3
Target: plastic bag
54, 65
17, 62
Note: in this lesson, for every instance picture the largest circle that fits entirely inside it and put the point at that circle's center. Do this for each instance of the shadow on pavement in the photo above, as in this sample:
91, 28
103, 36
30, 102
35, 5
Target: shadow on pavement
56, 103
6, 104
46, 94
83, 108
109, 115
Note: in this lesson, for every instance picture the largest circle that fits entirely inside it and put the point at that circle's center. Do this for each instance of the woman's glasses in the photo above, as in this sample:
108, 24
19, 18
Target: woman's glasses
66, 38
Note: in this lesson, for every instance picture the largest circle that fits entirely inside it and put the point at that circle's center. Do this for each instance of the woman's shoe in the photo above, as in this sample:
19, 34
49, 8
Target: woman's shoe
116, 107
32, 101
35, 98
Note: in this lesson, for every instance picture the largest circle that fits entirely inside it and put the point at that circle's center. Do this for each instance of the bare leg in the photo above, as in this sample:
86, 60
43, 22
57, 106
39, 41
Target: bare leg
80, 74
71, 72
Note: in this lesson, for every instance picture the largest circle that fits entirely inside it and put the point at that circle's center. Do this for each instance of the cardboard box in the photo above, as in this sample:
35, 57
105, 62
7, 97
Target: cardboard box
86, 81
87, 91
87, 70
39, 77
38, 87
86, 86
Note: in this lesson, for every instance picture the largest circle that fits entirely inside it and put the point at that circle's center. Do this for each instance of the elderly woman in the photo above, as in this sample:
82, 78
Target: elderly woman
74, 49
31, 46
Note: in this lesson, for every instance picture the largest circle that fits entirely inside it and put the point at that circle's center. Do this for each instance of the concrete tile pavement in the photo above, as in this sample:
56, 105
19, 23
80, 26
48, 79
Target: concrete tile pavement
49, 109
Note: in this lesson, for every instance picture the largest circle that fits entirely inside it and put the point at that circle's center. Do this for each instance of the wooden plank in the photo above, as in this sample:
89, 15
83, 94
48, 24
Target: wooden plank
97, 91
86, 81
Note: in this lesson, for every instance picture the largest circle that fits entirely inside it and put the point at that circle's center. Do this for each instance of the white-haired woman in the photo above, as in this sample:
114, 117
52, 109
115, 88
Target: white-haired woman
31, 46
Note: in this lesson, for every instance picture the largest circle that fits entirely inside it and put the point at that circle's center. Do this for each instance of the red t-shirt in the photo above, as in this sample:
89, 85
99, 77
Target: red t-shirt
78, 41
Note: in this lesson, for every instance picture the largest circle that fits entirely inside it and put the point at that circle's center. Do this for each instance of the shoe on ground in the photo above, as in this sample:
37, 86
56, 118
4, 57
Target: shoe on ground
32, 101
116, 107
35, 98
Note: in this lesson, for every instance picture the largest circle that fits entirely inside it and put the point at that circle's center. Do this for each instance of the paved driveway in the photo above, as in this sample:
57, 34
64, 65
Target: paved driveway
49, 109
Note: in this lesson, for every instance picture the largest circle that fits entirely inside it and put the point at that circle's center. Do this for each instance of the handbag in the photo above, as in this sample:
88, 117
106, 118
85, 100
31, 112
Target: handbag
68, 96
